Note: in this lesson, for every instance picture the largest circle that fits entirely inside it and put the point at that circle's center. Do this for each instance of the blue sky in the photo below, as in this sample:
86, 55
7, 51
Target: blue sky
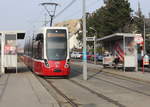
28, 14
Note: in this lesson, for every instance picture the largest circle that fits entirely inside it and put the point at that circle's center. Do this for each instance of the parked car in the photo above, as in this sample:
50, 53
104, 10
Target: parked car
108, 60
87, 55
76, 55
98, 57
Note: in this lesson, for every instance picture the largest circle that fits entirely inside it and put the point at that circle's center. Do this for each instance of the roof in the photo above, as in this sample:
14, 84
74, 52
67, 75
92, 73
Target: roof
43, 29
115, 36
12, 32
20, 34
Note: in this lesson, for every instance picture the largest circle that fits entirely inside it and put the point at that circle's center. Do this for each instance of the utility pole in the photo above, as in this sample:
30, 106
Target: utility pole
95, 50
84, 42
45, 19
51, 13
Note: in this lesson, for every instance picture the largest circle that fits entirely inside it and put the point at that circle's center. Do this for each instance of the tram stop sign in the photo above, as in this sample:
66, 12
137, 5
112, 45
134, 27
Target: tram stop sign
138, 39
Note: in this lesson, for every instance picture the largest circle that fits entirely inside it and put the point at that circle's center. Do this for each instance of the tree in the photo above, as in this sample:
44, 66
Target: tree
109, 19
138, 27
114, 16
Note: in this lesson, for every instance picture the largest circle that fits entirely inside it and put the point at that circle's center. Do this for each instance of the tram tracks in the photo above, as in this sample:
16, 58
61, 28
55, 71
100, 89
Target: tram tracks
139, 82
57, 93
72, 103
118, 85
100, 95
133, 90
126, 79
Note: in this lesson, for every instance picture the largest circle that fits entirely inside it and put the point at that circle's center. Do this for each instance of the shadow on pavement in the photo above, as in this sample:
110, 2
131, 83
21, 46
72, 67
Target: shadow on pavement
19, 70
93, 75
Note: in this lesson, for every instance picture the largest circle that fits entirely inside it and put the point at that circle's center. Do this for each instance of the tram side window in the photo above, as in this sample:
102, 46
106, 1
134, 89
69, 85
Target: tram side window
30, 49
34, 47
39, 46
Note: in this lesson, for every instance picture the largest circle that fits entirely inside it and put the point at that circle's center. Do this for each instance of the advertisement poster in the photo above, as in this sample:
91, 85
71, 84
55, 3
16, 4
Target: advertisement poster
10, 47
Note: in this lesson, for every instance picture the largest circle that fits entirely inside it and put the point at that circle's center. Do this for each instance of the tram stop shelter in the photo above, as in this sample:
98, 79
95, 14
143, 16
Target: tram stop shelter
123, 46
8, 49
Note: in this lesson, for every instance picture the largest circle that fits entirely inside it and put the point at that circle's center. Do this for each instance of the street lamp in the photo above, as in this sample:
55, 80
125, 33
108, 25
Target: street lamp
94, 44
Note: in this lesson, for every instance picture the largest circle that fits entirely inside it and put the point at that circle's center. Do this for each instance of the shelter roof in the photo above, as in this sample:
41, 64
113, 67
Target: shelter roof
20, 34
115, 36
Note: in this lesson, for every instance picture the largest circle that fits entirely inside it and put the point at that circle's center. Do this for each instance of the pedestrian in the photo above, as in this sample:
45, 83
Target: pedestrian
116, 61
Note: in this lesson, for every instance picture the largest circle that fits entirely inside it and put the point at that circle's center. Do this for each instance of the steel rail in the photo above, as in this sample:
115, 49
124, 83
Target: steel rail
73, 104
98, 94
130, 89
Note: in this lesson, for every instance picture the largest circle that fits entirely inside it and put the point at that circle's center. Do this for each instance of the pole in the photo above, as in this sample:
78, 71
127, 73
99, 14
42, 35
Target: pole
144, 37
124, 51
45, 19
142, 54
51, 21
2, 53
84, 43
95, 50
16, 55
144, 51
94, 44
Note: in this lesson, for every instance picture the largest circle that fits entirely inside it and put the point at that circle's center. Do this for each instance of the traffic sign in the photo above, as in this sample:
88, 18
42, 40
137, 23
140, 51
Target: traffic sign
138, 39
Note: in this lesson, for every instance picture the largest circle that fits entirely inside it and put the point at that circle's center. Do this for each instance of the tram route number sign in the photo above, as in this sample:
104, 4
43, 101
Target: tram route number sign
90, 38
138, 39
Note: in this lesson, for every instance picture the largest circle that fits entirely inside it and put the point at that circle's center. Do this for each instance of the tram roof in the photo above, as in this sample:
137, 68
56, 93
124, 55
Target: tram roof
115, 36
54, 27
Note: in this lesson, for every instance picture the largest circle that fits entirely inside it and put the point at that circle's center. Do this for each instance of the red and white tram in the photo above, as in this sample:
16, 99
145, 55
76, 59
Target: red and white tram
47, 52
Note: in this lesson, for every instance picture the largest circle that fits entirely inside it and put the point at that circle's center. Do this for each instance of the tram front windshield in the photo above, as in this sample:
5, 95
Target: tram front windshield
56, 43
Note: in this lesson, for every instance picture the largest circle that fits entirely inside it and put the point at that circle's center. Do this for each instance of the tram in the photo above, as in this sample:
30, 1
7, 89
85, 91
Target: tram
47, 52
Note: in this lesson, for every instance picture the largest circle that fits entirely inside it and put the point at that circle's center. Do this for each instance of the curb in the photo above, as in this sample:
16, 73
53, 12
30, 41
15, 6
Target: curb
138, 79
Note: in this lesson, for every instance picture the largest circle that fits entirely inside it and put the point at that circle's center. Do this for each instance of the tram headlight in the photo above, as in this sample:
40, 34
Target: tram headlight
46, 63
67, 64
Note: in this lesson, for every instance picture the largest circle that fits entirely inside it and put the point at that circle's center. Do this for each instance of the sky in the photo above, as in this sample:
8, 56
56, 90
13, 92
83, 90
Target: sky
29, 14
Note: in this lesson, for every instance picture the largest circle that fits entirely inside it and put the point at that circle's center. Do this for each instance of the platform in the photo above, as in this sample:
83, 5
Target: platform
24, 90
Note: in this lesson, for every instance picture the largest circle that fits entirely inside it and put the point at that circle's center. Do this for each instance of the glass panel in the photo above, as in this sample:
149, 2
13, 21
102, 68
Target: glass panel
130, 46
10, 45
56, 48
56, 44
